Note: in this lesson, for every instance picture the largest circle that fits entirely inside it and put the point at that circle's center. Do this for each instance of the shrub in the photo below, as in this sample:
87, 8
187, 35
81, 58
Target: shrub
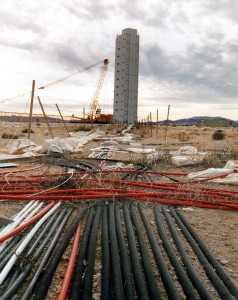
183, 136
26, 130
9, 136
82, 128
212, 161
218, 135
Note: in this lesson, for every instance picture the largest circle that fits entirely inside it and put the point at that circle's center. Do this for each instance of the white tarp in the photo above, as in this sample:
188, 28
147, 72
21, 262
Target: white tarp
186, 156
232, 164
71, 144
184, 160
141, 150
186, 150
20, 145
127, 138
58, 145
127, 130
211, 172
231, 169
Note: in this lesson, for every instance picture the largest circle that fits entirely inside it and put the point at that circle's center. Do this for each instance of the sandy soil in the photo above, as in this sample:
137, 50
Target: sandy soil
218, 228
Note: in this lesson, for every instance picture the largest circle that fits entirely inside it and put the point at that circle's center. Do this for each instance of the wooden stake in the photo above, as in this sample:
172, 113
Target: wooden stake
157, 123
148, 125
31, 108
151, 127
45, 116
62, 119
167, 124
84, 118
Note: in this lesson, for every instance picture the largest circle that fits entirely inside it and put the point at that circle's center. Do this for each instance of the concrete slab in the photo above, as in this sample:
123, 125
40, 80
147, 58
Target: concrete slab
4, 220
8, 165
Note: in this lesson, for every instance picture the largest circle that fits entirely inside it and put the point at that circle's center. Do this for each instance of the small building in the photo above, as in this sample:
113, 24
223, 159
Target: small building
215, 123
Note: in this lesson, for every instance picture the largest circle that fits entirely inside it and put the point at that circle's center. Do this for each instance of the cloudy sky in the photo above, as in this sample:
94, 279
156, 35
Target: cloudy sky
188, 54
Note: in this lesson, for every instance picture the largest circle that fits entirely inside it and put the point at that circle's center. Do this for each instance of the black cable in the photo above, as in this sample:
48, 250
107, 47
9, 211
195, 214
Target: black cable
25, 268
41, 237
145, 259
118, 291
180, 272
86, 292
219, 269
204, 294
77, 280
60, 223
125, 261
165, 276
9, 251
211, 273
55, 258
106, 273
138, 275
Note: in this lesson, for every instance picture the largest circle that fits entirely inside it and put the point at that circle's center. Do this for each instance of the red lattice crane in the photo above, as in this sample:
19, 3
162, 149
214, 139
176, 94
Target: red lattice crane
94, 108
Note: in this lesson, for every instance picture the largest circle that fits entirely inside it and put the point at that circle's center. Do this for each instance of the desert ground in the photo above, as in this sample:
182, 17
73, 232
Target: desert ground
217, 228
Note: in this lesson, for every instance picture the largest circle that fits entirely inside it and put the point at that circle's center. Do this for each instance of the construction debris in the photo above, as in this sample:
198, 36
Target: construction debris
123, 206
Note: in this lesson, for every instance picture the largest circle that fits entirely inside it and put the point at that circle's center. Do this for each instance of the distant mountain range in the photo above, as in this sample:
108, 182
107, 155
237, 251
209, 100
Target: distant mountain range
183, 122
195, 120
14, 118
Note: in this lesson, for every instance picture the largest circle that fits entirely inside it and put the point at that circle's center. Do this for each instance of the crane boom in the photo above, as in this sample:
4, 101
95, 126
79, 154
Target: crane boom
94, 109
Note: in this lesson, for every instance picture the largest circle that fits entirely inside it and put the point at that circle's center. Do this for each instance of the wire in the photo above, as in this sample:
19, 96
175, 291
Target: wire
71, 75
56, 81
54, 187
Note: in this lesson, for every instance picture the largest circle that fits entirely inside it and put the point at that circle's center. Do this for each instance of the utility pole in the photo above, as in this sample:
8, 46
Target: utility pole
46, 118
31, 108
62, 119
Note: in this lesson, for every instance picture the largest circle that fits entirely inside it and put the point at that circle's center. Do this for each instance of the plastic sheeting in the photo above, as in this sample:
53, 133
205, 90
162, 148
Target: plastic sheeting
183, 160
186, 156
141, 150
55, 145
71, 144
58, 145
20, 145
230, 170
127, 138
186, 150
211, 172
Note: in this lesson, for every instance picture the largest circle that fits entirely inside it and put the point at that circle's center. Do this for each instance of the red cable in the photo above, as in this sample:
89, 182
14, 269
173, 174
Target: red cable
70, 267
21, 170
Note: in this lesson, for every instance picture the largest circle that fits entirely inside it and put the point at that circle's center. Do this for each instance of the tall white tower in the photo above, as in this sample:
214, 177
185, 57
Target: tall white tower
126, 77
